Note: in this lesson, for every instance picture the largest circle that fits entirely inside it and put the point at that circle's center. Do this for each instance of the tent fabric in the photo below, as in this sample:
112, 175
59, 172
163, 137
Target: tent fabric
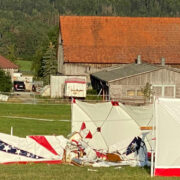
167, 161
38, 149
143, 116
110, 125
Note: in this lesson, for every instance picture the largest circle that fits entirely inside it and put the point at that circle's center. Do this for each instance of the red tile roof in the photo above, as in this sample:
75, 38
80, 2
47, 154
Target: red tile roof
7, 64
91, 39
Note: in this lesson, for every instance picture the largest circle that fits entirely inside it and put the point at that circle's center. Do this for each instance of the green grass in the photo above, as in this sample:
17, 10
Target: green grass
23, 127
36, 111
67, 172
24, 66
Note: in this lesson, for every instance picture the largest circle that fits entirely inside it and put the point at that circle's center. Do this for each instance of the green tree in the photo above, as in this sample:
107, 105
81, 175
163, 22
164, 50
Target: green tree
11, 52
28, 23
5, 82
37, 63
49, 63
147, 92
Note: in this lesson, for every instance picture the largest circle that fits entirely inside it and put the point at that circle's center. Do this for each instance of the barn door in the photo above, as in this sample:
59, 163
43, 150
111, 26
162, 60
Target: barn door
169, 91
164, 90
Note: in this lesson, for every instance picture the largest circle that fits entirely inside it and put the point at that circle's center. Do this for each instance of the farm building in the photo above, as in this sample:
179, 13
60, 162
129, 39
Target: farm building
8, 66
89, 43
128, 82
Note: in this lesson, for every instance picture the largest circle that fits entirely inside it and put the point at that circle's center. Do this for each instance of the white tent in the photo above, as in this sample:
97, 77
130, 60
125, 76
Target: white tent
143, 116
106, 126
167, 151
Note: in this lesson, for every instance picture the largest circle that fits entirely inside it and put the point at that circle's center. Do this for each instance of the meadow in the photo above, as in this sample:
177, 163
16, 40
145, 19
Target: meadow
16, 116
25, 66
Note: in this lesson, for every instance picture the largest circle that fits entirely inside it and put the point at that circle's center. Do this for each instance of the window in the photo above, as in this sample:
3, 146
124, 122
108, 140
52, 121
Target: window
169, 91
131, 93
140, 93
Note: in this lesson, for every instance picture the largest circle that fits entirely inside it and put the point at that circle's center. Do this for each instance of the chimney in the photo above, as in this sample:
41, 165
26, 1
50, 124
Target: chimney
139, 59
163, 61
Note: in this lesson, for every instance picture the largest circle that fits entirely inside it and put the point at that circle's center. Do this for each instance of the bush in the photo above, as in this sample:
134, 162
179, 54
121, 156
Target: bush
91, 92
92, 95
5, 82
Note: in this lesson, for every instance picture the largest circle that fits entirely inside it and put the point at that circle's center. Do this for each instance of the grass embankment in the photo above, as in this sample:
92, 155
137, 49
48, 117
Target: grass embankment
23, 127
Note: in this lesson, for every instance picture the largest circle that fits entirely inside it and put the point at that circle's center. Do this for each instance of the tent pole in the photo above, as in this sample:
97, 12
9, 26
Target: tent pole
71, 111
153, 134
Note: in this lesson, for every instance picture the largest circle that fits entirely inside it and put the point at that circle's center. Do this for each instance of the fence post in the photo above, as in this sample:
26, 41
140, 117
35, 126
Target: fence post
11, 130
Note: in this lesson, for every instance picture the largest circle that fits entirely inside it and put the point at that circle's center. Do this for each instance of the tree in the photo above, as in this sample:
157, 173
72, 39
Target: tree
5, 82
49, 63
11, 52
37, 63
147, 92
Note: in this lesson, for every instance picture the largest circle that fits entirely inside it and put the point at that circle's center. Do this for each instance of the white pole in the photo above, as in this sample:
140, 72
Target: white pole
11, 131
153, 138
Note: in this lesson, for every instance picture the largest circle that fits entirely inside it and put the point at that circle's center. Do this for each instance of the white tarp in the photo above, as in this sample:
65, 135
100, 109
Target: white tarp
167, 153
105, 126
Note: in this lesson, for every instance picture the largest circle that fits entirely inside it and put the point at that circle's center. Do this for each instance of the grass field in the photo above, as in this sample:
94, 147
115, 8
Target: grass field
25, 66
23, 127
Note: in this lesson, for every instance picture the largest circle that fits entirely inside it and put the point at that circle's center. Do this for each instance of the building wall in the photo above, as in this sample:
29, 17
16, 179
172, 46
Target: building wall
60, 55
164, 83
84, 69
11, 71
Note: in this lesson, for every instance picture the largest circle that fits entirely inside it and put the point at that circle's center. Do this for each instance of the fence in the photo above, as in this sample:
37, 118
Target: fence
35, 98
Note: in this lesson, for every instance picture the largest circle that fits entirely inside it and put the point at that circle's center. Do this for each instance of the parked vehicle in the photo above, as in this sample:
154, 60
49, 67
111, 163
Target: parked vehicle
19, 86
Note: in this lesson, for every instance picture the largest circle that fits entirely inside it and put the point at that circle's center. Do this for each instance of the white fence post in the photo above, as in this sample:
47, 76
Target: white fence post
11, 130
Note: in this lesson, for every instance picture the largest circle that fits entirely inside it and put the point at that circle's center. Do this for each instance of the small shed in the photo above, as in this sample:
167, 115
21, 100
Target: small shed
128, 82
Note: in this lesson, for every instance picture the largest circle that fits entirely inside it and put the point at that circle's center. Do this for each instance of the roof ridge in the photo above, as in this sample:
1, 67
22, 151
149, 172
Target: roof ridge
123, 17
